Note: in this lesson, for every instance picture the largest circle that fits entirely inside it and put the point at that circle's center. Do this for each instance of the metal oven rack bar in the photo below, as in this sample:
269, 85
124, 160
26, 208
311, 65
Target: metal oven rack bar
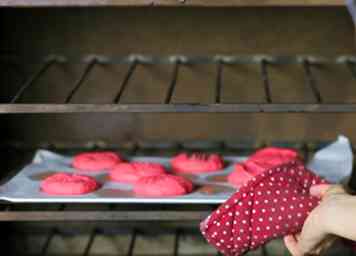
134, 233
81, 79
167, 105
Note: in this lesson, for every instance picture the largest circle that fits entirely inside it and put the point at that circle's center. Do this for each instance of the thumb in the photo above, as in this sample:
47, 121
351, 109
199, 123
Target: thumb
291, 243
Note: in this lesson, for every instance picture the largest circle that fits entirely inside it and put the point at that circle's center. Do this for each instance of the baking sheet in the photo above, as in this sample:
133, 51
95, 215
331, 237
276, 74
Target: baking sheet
334, 162
24, 187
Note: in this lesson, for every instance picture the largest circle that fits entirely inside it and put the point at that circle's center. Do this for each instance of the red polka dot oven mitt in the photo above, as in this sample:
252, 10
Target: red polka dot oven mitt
273, 204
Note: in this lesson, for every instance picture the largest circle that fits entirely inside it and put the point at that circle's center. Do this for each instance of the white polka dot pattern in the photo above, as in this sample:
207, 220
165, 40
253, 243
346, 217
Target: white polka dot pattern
259, 212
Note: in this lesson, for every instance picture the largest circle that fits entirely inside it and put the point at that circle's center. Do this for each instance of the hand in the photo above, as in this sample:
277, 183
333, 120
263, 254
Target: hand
333, 217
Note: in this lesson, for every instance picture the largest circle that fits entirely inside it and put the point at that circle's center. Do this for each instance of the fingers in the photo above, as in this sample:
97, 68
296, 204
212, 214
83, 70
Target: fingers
292, 245
291, 242
314, 237
324, 190
319, 190
297, 236
312, 233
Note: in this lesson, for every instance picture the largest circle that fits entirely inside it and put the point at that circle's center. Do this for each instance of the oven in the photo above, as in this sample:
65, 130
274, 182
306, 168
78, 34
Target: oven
158, 77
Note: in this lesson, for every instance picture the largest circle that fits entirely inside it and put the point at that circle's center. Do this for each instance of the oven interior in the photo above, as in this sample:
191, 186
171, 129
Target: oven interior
158, 81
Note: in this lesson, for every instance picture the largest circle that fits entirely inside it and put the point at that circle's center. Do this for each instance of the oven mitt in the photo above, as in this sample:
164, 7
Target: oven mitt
272, 204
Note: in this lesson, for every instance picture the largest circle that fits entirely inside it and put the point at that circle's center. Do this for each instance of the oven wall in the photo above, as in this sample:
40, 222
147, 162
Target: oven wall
117, 31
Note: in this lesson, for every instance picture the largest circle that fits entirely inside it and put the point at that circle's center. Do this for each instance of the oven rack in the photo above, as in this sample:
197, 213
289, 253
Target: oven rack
176, 241
134, 236
167, 104
182, 215
174, 238
136, 212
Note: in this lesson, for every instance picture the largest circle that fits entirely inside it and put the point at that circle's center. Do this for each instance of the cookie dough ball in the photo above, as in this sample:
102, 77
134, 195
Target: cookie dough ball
239, 176
96, 161
69, 184
197, 163
164, 185
132, 172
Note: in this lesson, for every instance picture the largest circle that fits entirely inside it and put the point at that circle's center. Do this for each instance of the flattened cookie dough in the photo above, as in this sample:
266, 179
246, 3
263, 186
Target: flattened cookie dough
132, 172
164, 185
69, 184
96, 161
197, 163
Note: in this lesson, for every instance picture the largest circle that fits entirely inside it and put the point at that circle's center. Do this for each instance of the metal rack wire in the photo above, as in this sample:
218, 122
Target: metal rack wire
134, 234
264, 61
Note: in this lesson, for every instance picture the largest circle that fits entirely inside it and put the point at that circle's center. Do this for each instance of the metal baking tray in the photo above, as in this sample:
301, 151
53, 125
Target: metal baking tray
210, 188
334, 162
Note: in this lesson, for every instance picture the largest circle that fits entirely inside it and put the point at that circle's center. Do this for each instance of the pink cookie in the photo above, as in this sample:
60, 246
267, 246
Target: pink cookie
69, 184
269, 157
239, 176
96, 161
131, 172
163, 185
197, 163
